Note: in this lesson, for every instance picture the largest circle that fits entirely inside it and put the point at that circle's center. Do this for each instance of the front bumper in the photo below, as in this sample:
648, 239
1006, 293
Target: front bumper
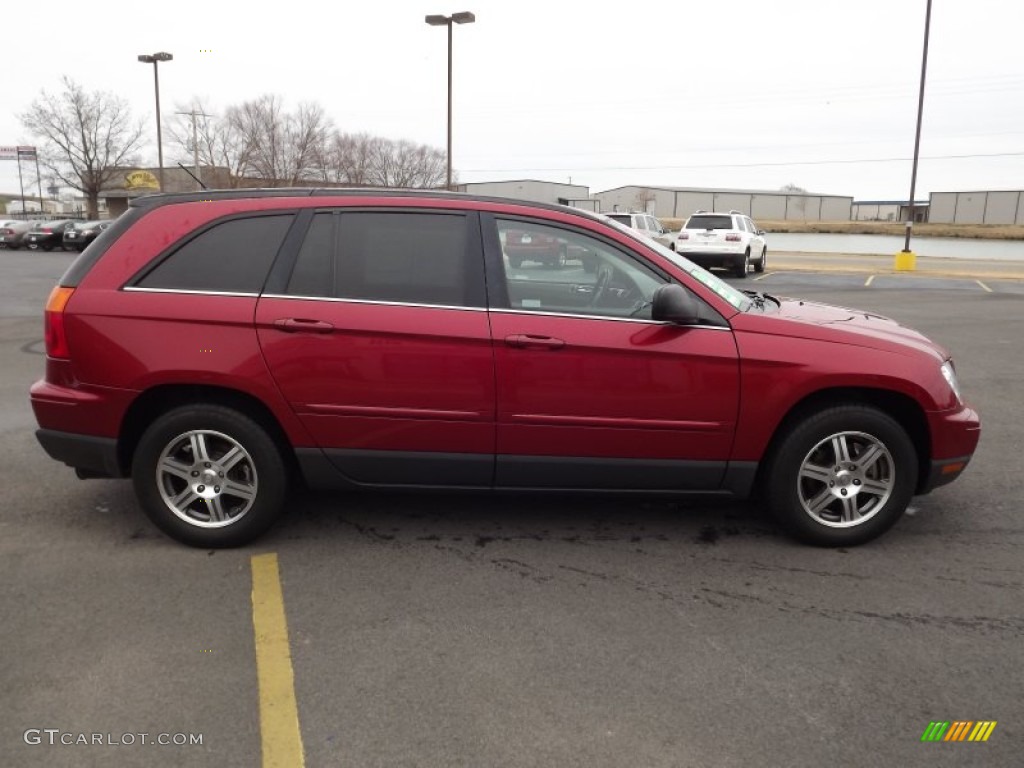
955, 436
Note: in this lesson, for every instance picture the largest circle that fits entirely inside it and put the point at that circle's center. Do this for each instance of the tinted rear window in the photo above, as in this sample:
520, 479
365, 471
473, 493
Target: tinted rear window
231, 257
622, 219
709, 222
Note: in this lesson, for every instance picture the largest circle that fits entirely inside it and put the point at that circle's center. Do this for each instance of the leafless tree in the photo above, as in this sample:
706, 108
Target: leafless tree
643, 197
799, 193
87, 138
260, 139
285, 148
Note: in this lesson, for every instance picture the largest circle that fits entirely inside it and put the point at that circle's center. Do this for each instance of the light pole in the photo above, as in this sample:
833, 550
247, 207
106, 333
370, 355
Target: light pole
155, 60
464, 17
905, 259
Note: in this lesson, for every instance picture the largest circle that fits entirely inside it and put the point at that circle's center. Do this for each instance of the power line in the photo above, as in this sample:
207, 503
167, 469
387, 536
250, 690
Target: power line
743, 165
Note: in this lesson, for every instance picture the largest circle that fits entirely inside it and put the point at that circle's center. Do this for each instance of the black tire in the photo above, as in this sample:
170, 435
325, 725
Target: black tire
759, 266
861, 483
47, 248
743, 266
260, 473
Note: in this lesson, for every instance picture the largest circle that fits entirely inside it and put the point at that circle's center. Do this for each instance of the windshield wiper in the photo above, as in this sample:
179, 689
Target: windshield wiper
757, 298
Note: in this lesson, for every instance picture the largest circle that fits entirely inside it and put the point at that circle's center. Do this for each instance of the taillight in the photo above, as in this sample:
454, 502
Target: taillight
732, 238
6, 231
53, 323
47, 231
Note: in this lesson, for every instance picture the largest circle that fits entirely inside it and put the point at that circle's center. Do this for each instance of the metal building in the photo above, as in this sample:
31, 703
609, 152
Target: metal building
680, 202
888, 210
532, 189
995, 207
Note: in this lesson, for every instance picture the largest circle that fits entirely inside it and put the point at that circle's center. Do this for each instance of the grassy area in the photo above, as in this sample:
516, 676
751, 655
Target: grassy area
973, 231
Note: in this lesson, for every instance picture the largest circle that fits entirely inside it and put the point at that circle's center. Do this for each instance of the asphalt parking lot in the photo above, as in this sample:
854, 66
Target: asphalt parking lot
479, 630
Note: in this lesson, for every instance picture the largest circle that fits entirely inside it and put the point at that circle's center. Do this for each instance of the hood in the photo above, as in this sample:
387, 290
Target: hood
855, 326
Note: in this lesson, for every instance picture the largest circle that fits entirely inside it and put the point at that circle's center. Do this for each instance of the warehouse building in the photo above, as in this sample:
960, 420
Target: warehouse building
534, 190
889, 210
995, 207
680, 202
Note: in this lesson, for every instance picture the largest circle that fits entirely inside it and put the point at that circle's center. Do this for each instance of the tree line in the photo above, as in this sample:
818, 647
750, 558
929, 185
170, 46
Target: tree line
86, 139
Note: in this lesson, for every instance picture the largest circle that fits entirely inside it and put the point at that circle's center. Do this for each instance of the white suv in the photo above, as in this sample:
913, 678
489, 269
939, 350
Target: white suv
729, 240
642, 222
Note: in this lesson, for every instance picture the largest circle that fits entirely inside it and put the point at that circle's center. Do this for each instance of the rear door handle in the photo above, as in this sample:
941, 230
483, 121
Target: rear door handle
300, 324
530, 340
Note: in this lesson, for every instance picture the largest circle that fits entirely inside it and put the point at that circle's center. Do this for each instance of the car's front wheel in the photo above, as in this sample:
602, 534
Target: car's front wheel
209, 476
842, 476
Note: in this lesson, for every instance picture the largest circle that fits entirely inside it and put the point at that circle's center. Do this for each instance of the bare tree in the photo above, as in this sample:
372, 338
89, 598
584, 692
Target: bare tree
87, 138
799, 193
643, 197
284, 148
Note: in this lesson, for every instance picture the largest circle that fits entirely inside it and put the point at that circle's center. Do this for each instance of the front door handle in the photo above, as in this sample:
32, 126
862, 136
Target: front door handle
530, 340
300, 324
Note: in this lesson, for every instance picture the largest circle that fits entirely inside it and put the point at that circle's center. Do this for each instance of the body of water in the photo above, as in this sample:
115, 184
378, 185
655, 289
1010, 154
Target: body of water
887, 245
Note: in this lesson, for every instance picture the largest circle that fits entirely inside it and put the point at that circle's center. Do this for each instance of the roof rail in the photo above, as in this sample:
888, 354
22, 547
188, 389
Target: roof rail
737, 212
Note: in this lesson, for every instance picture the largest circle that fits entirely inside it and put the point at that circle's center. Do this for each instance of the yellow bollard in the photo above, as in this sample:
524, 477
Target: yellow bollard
906, 261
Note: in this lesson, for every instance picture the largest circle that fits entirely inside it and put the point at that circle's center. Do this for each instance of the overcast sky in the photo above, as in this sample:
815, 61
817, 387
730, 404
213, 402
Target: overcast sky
746, 94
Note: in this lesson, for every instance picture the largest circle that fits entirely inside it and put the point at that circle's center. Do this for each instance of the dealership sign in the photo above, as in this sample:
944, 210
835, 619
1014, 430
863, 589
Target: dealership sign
17, 153
141, 180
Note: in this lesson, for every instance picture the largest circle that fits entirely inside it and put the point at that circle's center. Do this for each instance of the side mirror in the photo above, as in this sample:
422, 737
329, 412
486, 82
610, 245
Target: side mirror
760, 231
672, 303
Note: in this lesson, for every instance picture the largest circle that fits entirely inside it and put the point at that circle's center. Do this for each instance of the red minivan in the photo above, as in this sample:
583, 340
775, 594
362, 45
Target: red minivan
217, 347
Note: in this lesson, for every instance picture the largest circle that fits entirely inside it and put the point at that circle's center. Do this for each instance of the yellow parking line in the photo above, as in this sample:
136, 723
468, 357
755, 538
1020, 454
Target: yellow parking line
983, 286
766, 274
867, 283
279, 714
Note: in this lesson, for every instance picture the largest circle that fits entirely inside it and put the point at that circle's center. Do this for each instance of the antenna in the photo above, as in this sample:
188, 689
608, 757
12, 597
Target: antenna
195, 145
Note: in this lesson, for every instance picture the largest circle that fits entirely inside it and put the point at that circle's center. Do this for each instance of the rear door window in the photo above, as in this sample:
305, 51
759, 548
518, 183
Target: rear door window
390, 256
233, 256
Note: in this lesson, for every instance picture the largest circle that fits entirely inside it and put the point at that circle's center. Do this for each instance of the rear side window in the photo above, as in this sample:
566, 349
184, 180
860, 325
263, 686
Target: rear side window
709, 222
409, 258
231, 257
621, 218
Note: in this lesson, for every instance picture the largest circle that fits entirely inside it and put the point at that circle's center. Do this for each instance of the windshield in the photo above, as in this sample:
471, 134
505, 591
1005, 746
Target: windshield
736, 298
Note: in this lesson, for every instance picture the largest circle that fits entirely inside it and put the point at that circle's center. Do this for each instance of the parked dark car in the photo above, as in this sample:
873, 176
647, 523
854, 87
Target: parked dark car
81, 233
12, 233
47, 235
221, 346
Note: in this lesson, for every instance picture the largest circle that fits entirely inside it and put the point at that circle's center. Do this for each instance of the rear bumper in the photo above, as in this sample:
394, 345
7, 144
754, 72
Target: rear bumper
95, 455
714, 258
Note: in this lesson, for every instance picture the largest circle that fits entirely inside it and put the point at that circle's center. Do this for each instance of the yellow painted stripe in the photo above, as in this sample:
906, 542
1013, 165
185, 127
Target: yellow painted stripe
978, 728
988, 731
983, 286
867, 283
766, 274
279, 714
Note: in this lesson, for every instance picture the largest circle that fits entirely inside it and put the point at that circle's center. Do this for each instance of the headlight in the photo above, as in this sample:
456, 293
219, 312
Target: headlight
949, 374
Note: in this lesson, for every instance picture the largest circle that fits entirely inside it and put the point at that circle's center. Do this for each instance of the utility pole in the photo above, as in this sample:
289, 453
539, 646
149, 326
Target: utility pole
195, 143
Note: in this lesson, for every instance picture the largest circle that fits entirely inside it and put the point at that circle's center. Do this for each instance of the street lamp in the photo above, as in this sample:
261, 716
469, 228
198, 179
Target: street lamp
905, 259
155, 59
464, 17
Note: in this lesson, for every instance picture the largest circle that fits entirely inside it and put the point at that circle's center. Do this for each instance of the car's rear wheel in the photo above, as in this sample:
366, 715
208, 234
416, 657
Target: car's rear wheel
842, 476
743, 266
209, 476
759, 266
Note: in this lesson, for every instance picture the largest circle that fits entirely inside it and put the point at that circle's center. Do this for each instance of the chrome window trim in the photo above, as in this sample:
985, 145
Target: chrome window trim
189, 291
372, 301
605, 317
